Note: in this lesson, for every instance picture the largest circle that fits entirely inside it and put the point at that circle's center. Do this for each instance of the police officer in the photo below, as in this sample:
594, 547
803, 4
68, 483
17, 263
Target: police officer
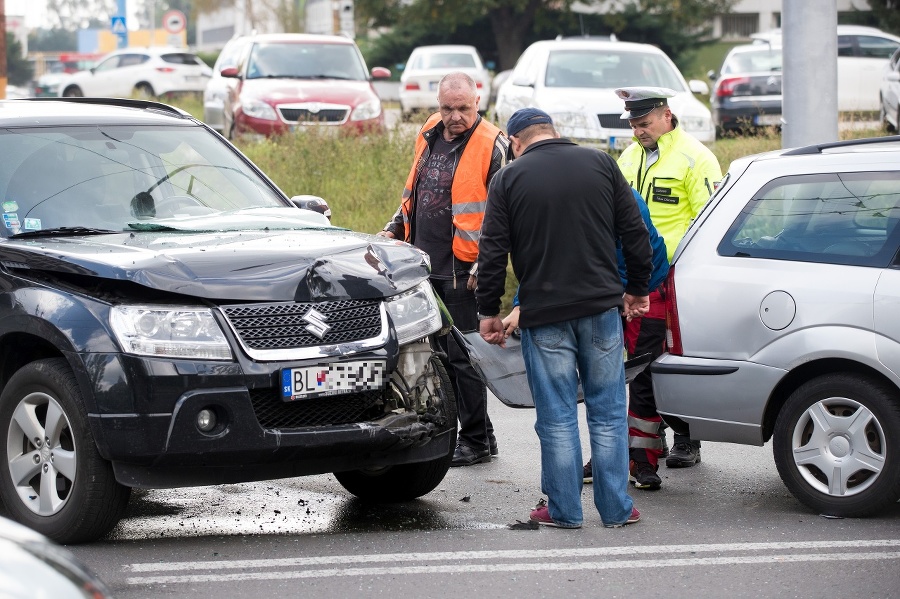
676, 174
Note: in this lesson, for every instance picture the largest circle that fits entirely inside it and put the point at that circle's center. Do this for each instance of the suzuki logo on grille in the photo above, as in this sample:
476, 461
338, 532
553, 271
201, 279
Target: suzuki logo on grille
317, 325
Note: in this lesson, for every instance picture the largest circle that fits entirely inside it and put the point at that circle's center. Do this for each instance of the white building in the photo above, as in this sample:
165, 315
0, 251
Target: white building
320, 16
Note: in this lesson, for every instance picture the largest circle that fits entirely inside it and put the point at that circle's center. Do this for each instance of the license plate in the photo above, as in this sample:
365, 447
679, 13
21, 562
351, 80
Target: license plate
767, 119
332, 379
619, 143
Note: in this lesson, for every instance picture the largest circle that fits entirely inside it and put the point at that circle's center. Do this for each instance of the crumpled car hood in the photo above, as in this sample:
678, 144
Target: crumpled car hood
305, 265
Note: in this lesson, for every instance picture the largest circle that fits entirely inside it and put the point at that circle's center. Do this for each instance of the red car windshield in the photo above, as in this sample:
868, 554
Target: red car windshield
305, 61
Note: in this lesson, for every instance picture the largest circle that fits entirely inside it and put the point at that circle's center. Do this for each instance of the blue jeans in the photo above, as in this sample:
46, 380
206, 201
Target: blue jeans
556, 356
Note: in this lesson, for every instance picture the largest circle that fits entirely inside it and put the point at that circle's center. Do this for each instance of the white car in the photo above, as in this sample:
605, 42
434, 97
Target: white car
426, 66
218, 87
863, 53
890, 93
145, 72
574, 80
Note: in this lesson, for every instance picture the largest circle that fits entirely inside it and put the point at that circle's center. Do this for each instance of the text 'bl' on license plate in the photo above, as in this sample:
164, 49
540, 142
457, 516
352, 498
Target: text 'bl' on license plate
332, 379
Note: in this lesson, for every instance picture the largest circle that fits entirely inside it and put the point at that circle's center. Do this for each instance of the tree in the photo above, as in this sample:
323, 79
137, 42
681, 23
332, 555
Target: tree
514, 21
289, 13
18, 69
886, 14
53, 40
76, 14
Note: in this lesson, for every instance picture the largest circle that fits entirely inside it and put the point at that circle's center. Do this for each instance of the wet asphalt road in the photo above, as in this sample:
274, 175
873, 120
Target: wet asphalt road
726, 527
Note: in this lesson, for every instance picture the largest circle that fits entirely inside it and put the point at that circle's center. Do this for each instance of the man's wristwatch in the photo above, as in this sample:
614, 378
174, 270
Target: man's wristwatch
485, 317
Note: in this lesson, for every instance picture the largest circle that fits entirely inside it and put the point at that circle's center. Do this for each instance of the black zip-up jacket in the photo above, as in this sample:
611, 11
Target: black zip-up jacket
558, 210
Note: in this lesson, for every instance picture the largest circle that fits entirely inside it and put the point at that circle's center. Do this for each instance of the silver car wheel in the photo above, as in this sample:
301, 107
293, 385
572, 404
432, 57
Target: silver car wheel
839, 447
41, 454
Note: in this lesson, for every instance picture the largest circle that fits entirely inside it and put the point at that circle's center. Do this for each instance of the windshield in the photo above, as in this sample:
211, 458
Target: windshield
113, 177
754, 61
610, 70
305, 61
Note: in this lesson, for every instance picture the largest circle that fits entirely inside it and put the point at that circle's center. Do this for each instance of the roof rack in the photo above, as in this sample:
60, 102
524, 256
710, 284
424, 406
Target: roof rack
817, 148
125, 102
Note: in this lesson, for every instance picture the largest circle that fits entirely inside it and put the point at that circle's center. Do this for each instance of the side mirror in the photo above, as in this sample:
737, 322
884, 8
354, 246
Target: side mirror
314, 203
523, 81
711, 74
698, 87
380, 73
230, 72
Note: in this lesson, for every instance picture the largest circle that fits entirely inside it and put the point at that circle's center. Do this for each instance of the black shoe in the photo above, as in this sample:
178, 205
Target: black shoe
683, 455
492, 441
644, 476
588, 473
466, 456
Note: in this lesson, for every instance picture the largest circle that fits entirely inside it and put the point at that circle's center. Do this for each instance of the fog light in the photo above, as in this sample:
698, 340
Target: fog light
206, 420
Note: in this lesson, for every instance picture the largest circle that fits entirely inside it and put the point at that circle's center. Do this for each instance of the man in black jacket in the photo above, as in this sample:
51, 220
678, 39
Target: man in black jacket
558, 210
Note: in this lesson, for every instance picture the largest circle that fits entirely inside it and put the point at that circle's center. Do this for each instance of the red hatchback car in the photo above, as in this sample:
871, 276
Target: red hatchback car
284, 82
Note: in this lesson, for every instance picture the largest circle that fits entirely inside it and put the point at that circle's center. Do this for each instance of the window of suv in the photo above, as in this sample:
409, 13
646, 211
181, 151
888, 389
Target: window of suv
110, 177
840, 218
182, 58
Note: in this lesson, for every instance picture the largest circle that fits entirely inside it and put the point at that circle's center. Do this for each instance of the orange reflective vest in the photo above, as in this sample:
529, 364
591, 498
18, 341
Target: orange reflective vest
468, 193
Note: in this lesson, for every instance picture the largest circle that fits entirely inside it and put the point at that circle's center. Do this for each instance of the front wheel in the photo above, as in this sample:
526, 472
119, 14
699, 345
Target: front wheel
52, 478
73, 91
405, 482
837, 445
143, 91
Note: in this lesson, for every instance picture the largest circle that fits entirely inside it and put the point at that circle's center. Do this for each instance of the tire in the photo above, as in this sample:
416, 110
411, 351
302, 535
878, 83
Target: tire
144, 91
71, 500
406, 482
837, 445
73, 92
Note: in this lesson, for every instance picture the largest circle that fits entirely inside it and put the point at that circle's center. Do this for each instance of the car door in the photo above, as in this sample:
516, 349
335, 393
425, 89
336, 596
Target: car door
861, 60
119, 80
93, 82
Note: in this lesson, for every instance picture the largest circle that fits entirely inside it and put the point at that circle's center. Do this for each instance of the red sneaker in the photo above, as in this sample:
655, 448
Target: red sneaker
635, 516
541, 515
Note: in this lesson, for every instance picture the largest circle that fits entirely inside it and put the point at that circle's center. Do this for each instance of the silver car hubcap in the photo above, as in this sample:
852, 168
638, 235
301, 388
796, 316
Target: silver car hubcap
41, 454
839, 447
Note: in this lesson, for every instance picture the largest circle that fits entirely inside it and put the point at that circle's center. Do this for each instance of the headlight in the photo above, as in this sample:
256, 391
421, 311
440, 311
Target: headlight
258, 110
574, 125
366, 111
415, 313
695, 123
176, 332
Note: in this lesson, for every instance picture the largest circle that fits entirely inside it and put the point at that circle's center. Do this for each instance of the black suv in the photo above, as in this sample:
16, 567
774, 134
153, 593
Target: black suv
168, 317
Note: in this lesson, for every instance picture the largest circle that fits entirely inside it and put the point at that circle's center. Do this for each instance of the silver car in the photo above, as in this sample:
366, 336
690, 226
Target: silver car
783, 303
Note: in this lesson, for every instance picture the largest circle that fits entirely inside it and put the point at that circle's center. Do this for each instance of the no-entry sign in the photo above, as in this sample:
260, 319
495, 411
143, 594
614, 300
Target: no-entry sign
174, 21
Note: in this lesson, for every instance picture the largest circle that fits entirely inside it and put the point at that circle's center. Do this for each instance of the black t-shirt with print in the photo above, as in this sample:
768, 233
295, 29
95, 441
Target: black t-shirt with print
434, 215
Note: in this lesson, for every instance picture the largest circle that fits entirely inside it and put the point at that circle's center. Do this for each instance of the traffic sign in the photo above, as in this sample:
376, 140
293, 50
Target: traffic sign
118, 27
174, 21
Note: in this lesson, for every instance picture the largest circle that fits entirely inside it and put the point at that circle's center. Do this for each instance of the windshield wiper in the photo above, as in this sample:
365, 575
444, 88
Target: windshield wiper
62, 232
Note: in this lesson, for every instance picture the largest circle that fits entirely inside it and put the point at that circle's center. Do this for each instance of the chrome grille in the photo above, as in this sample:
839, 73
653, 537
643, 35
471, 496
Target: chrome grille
304, 115
612, 121
274, 413
281, 326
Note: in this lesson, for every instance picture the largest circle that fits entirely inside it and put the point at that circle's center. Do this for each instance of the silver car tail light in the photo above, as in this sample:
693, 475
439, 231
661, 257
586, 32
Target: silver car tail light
673, 327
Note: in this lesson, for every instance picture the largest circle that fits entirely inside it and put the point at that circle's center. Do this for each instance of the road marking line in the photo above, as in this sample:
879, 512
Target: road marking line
515, 567
504, 554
